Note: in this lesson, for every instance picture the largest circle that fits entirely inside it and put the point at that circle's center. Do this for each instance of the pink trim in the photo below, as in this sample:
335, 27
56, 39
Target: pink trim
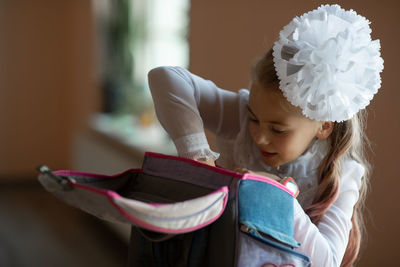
111, 195
174, 231
94, 175
196, 163
104, 192
249, 176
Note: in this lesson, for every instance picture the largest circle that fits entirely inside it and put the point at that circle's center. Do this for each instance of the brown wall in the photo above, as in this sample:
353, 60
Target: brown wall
227, 35
46, 81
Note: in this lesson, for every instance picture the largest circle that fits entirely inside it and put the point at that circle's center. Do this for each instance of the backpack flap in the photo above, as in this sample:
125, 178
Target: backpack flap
91, 193
138, 198
173, 218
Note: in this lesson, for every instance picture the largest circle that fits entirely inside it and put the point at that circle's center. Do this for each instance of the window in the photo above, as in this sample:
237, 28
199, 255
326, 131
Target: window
136, 36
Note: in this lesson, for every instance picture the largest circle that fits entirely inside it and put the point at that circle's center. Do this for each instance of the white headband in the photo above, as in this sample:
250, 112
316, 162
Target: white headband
327, 63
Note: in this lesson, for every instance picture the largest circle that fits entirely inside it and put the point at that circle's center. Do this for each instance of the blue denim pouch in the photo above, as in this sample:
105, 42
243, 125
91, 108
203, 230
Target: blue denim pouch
267, 209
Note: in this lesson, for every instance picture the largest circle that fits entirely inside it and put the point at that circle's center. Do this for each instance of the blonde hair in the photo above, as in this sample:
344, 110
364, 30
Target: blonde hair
348, 140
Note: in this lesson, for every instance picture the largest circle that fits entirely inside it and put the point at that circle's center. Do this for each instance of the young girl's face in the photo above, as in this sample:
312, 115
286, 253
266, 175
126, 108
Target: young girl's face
278, 128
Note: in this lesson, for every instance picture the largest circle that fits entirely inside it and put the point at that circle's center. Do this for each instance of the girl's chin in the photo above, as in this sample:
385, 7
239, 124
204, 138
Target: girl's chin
271, 162
275, 161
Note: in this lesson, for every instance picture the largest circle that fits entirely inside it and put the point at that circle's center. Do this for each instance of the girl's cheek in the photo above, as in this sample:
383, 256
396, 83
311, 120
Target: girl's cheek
283, 143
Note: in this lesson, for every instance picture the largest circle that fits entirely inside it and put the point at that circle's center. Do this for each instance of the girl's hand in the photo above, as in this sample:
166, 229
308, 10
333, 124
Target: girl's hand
265, 174
210, 162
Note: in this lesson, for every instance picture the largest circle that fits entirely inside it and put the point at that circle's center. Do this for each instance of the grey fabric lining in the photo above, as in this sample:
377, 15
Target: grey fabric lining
145, 187
150, 188
116, 184
186, 172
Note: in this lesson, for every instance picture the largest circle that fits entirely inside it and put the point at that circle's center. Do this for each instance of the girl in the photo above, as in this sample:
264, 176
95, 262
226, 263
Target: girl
303, 118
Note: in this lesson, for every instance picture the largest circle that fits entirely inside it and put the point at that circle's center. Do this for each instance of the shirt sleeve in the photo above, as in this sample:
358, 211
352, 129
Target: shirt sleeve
326, 244
185, 104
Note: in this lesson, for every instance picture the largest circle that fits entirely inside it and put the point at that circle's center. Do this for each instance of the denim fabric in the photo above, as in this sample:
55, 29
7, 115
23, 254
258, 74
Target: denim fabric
253, 252
267, 209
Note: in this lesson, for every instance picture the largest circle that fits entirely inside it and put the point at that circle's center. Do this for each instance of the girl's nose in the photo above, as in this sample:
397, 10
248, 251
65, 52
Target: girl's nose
262, 138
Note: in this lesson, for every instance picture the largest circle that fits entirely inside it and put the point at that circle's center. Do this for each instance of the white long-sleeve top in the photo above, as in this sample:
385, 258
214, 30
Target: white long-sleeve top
187, 104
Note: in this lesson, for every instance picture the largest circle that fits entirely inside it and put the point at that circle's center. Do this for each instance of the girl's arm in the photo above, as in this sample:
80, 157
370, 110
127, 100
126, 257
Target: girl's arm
326, 243
186, 104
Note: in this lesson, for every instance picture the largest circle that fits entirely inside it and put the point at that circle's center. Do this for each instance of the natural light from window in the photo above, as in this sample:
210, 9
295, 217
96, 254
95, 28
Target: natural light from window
155, 33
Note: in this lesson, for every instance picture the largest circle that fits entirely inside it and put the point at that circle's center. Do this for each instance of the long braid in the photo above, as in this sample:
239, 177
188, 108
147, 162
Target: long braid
347, 140
330, 171
358, 153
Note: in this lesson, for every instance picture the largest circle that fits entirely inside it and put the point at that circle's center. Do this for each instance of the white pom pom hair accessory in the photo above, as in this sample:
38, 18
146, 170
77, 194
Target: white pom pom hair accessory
327, 63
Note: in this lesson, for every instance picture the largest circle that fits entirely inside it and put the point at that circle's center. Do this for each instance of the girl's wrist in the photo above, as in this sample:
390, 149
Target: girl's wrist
210, 161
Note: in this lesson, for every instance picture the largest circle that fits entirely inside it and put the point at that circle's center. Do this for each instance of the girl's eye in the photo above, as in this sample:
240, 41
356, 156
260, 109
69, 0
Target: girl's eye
278, 131
252, 117
253, 120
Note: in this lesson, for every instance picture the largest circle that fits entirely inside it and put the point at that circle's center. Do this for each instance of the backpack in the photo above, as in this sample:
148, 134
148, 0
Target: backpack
186, 213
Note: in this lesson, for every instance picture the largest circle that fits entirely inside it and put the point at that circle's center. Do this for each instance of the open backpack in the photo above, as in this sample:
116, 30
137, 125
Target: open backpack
185, 213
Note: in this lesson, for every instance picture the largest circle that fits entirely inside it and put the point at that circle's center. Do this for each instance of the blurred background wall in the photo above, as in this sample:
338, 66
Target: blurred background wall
48, 84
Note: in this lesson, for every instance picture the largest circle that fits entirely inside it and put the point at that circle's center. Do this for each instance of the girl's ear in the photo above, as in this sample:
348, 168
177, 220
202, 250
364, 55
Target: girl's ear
325, 130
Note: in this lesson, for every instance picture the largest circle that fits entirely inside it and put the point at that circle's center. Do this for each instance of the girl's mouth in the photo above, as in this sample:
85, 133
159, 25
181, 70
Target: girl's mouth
268, 154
